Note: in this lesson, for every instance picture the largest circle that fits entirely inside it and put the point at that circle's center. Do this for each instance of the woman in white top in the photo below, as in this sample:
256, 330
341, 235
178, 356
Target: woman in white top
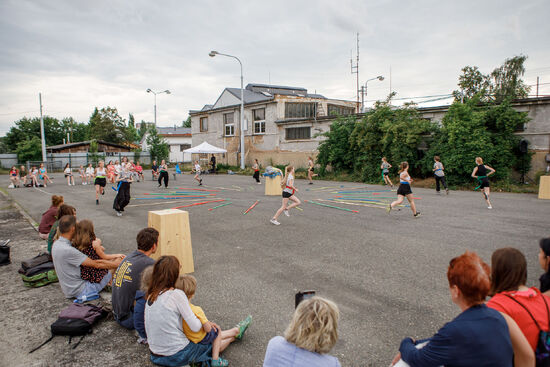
165, 309
69, 175
100, 180
288, 193
89, 174
197, 170
404, 190
118, 168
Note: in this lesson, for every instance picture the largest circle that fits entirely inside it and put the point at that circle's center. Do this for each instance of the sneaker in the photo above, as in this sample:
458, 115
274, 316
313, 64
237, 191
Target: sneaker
438, 192
159, 185
96, 201
142, 340
417, 215
220, 362
274, 221
311, 183
259, 183
489, 207
119, 214
287, 213
388, 209
242, 326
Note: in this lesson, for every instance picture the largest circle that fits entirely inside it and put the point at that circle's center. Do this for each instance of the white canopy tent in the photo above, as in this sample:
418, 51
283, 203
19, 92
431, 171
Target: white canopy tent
205, 148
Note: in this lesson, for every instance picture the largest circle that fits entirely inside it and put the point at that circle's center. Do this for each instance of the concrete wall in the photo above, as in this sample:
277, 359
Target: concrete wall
8, 160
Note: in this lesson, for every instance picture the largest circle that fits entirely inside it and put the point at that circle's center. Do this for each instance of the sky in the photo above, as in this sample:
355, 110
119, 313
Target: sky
83, 54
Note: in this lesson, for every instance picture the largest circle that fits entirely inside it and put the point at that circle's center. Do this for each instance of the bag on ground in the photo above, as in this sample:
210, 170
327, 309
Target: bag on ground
5, 253
75, 320
38, 271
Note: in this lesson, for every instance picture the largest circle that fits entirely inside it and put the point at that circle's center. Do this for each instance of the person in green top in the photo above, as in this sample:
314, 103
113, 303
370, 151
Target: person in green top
64, 209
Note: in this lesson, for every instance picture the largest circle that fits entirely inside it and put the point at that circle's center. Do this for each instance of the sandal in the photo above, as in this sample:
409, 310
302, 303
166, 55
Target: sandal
220, 362
242, 326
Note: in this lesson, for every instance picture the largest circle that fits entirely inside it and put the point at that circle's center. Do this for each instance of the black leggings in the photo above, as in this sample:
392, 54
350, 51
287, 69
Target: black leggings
122, 197
163, 174
443, 181
257, 176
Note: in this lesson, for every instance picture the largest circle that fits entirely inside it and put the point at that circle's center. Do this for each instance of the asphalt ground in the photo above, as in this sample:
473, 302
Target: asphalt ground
387, 272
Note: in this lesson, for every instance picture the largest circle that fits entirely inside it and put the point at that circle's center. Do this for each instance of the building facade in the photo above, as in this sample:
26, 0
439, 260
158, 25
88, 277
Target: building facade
177, 138
282, 124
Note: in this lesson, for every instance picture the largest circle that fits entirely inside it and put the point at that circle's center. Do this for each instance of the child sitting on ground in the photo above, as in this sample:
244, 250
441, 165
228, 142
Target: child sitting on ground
210, 333
86, 242
139, 307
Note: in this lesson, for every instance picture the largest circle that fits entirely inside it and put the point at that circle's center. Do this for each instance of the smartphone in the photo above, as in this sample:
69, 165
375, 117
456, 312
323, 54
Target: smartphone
300, 296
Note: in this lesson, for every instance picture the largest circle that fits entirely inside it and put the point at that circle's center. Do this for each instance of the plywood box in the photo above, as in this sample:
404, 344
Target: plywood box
175, 236
273, 186
544, 187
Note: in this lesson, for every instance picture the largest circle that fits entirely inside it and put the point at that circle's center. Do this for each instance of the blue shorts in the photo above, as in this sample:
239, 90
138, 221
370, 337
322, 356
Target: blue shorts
209, 338
191, 353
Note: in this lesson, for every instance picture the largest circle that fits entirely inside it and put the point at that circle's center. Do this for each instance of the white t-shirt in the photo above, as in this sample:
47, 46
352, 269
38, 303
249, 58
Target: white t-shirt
118, 168
67, 171
289, 182
197, 168
163, 322
90, 171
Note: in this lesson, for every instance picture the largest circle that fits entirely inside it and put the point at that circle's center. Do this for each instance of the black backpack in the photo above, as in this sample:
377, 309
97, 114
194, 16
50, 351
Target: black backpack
5, 253
75, 320
542, 353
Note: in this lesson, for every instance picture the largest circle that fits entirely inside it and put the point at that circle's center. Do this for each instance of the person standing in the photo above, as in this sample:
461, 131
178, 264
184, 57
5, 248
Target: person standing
256, 168
439, 175
163, 173
213, 163
122, 198
482, 172
385, 166
100, 180
310, 170
288, 194
404, 190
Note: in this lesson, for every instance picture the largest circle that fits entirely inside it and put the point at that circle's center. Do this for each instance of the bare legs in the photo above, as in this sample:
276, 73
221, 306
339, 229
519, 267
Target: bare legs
400, 199
310, 175
284, 207
223, 340
486, 191
387, 180
98, 190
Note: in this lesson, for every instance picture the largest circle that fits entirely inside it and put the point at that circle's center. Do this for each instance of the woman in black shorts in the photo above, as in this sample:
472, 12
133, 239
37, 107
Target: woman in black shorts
288, 194
100, 180
404, 190
482, 173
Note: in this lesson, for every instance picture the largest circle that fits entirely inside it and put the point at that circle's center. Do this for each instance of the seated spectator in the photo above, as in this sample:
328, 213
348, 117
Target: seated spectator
479, 336
33, 176
23, 175
128, 275
87, 243
210, 333
14, 177
64, 209
155, 170
43, 174
90, 173
165, 309
68, 172
308, 339
67, 261
139, 171
544, 261
527, 306
49, 217
139, 307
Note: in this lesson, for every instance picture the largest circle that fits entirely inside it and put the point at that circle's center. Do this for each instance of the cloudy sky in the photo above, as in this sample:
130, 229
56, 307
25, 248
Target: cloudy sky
82, 54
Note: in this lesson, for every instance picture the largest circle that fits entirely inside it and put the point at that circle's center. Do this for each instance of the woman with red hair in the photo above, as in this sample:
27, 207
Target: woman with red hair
479, 336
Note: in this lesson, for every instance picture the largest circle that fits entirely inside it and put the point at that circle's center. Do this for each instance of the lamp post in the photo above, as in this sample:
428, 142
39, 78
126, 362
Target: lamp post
212, 54
149, 90
380, 78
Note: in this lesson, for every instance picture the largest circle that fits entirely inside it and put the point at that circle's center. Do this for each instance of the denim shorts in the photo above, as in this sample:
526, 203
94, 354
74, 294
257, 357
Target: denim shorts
209, 338
191, 353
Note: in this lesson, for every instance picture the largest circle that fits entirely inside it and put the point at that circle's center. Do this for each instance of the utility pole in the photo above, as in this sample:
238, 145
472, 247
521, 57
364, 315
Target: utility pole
362, 99
355, 70
42, 134
537, 87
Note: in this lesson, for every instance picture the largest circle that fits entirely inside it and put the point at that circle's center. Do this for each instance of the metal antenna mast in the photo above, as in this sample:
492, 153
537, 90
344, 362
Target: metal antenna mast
355, 70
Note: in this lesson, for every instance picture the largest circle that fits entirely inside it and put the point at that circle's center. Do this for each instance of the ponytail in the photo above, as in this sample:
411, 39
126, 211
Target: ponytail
403, 166
285, 178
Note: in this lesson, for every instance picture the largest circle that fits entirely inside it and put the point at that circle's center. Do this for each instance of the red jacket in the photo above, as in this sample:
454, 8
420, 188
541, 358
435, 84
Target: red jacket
48, 219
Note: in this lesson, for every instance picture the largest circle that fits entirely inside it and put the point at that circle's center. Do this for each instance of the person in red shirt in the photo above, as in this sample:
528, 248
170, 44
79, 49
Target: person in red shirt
527, 306
14, 177
49, 217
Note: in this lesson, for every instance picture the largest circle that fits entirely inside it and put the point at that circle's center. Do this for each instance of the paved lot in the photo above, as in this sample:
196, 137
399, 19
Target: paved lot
386, 272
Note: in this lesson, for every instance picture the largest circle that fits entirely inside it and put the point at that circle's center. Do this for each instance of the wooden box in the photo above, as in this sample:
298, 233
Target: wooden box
544, 187
175, 236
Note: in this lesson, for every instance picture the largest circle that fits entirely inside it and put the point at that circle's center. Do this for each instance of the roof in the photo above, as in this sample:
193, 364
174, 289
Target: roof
249, 96
207, 107
86, 142
174, 130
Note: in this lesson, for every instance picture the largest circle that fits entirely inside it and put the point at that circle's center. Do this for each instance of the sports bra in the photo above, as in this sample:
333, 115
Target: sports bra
100, 172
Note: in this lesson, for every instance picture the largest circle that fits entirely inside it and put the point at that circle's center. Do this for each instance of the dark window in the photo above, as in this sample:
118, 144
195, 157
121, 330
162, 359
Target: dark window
300, 110
339, 110
204, 123
184, 146
298, 133
228, 121
259, 120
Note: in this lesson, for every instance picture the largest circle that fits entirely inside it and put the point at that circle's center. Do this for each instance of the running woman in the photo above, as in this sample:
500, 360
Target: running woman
43, 173
122, 198
68, 175
385, 166
288, 193
163, 173
256, 168
89, 174
482, 173
404, 190
100, 180
439, 175
310, 170
197, 170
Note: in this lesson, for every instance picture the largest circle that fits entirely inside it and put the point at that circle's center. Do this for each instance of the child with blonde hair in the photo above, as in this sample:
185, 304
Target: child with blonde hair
288, 193
210, 333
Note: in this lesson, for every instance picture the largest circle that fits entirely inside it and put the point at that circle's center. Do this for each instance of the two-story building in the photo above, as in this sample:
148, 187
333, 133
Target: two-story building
177, 138
282, 124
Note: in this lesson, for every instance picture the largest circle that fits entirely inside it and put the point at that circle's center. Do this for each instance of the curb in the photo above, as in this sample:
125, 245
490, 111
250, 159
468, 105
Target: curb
20, 209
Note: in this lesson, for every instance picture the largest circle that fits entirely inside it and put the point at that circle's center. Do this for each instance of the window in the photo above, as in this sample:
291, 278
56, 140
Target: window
184, 146
298, 133
228, 123
204, 124
300, 110
339, 110
259, 120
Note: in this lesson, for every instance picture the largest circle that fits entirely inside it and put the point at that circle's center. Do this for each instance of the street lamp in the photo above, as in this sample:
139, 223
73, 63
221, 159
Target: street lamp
149, 90
212, 54
380, 78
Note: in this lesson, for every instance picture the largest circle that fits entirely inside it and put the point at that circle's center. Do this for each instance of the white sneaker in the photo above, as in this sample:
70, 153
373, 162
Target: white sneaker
84, 183
287, 213
273, 221
489, 207
118, 214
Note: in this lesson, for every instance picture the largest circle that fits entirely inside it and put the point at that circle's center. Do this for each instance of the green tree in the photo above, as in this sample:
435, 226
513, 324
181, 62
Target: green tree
131, 134
29, 150
187, 123
335, 150
472, 82
142, 129
158, 148
27, 128
106, 124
